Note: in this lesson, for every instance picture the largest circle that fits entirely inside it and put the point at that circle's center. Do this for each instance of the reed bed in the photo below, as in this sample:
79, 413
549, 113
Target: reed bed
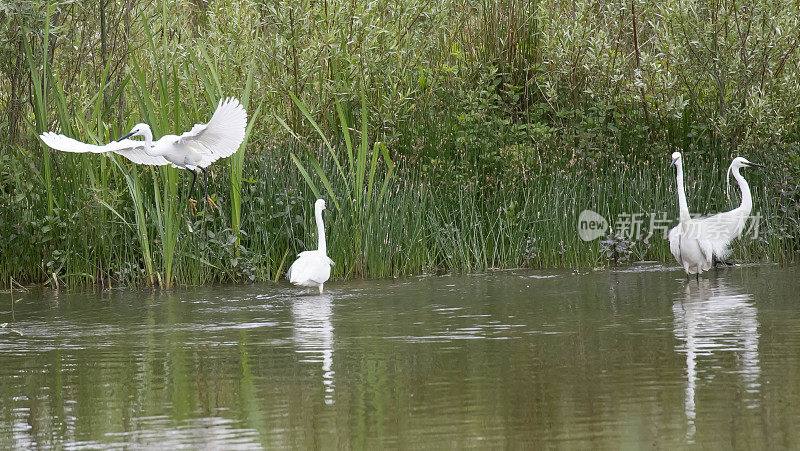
446, 136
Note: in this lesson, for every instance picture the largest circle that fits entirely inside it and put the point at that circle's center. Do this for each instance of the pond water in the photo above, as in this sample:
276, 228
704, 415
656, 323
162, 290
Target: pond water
621, 358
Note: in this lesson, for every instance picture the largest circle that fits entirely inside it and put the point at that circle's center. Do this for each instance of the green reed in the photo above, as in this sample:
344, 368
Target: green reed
458, 153
353, 174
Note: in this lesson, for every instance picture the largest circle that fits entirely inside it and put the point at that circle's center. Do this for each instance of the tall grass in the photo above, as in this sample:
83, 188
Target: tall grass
447, 137
40, 82
354, 175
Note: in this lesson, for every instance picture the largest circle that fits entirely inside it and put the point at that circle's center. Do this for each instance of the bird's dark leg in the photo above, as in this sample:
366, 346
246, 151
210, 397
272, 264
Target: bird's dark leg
194, 176
205, 182
697, 277
192, 202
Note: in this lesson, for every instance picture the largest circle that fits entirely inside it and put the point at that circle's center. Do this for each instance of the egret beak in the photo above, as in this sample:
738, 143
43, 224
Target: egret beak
673, 163
127, 135
755, 165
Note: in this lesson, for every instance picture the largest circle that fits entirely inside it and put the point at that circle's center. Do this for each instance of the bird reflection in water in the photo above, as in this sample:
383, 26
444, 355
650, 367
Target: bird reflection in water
713, 317
313, 335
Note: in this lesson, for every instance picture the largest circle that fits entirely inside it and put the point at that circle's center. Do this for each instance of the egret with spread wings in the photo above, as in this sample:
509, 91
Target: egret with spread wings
193, 150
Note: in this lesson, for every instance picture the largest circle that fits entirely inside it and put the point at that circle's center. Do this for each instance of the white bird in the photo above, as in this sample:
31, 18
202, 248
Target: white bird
313, 268
195, 149
686, 241
725, 227
697, 243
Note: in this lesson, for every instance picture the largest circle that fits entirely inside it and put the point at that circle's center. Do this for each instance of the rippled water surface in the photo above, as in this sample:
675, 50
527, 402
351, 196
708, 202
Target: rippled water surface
629, 358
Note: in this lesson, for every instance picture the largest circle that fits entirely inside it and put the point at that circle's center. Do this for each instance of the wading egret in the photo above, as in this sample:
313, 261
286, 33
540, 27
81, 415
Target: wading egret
723, 228
193, 150
313, 268
686, 242
697, 243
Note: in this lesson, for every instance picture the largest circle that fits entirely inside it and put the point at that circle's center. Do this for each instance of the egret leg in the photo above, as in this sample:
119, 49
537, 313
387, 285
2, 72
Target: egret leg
205, 183
205, 180
194, 177
191, 190
320, 288
697, 277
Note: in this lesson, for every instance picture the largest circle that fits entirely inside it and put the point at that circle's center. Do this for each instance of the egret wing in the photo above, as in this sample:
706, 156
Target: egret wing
707, 250
67, 144
301, 270
299, 263
128, 148
309, 268
315, 254
675, 243
221, 136
139, 156
721, 229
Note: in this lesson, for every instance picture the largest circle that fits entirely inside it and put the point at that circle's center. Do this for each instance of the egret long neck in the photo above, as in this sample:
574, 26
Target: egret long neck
322, 246
683, 207
747, 200
148, 142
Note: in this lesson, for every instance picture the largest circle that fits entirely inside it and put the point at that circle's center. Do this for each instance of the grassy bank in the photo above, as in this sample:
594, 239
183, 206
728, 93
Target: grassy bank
528, 218
461, 137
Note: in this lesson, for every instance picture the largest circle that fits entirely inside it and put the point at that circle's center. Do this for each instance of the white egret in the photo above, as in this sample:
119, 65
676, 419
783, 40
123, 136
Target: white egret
686, 241
313, 268
193, 150
724, 227
697, 243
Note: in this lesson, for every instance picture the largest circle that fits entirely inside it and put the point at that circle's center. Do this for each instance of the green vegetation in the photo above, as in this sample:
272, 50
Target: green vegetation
448, 135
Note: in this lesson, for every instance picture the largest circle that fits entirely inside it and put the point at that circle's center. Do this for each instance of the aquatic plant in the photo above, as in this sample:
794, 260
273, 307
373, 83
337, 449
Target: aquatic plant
450, 137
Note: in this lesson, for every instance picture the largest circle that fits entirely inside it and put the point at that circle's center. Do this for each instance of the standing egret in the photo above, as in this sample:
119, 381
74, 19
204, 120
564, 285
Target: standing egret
195, 149
723, 228
686, 241
313, 268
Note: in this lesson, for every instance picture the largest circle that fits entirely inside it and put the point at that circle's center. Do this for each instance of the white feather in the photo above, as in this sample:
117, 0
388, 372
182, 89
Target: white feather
220, 137
695, 242
687, 242
128, 148
197, 148
722, 228
693, 253
313, 268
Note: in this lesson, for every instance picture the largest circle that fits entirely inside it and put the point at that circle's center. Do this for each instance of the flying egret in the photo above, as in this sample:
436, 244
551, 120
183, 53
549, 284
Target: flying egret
195, 149
313, 268
686, 241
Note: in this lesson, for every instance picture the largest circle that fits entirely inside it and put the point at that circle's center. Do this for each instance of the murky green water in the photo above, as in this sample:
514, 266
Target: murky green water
638, 357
